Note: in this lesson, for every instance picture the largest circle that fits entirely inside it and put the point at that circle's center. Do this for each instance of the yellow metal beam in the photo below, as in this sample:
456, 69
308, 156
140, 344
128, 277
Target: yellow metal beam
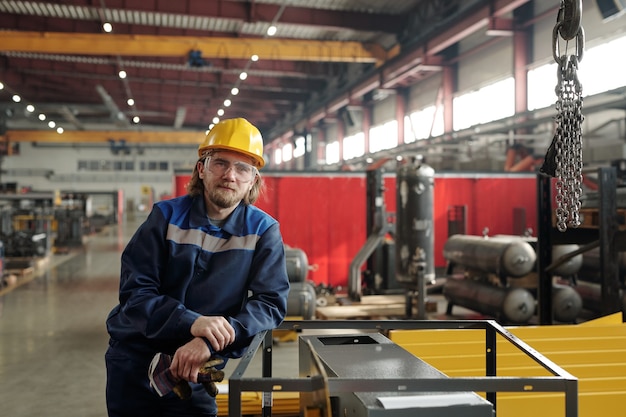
105, 136
211, 47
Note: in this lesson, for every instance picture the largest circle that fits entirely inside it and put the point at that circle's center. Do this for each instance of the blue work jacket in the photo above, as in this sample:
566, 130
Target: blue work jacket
178, 266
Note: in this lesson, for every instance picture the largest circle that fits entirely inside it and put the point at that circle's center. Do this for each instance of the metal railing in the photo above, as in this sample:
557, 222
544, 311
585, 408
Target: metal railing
491, 384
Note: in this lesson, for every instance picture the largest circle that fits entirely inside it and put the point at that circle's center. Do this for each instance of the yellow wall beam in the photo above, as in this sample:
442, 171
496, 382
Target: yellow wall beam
104, 136
211, 47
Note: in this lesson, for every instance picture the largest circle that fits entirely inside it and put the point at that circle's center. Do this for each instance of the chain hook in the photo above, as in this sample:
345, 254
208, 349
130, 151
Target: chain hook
569, 17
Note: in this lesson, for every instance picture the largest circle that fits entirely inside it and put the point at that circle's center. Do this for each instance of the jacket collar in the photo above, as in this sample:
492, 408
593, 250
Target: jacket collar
234, 222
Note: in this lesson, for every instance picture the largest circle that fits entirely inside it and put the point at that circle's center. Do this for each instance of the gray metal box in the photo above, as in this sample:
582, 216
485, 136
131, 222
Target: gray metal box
373, 356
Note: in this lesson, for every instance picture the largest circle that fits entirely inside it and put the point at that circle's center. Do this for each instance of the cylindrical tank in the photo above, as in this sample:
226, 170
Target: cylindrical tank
505, 257
590, 269
566, 303
297, 264
301, 300
415, 234
569, 267
511, 305
591, 295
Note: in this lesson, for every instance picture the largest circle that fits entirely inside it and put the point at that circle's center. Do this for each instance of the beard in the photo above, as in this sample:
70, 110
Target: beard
224, 198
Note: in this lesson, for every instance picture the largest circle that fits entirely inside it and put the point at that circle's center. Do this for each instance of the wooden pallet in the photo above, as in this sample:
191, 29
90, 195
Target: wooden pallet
370, 307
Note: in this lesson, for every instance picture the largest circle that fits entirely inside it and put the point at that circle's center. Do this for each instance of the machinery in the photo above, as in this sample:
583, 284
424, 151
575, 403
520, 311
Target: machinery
379, 249
415, 234
26, 224
373, 356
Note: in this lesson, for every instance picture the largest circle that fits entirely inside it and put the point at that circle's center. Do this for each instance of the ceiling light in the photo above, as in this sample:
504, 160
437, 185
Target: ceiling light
234, 91
17, 98
243, 76
42, 117
216, 120
107, 27
130, 102
30, 108
227, 103
122, 74
60, 130
254, 58
220, 112
136, 119
51, 124
271, 31
1, 86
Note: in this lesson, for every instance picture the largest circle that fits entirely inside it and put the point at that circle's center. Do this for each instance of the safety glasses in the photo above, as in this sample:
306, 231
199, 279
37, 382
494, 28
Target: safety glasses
218, 166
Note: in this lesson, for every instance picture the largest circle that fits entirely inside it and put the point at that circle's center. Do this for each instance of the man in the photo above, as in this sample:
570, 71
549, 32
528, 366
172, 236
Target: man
200, 277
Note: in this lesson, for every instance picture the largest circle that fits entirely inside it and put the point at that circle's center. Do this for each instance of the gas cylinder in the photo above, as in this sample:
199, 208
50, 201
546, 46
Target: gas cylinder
572, 265
510, 305
297, 264
566, 303
415, 232
506, 257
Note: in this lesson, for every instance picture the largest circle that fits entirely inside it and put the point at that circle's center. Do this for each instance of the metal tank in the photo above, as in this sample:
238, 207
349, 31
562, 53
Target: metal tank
566, 303
590, 269
569, 267
509, 305
415, 231
503, 256
591, 295
301, 301
297, 264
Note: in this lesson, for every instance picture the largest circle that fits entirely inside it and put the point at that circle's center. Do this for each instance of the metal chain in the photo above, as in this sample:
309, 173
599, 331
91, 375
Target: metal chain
568, 136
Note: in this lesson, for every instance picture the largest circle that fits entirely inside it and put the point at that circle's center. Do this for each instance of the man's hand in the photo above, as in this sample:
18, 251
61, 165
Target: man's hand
188, 360
216, 329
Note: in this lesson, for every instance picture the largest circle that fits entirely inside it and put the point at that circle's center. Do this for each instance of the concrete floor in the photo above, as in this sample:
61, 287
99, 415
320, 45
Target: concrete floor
53, 336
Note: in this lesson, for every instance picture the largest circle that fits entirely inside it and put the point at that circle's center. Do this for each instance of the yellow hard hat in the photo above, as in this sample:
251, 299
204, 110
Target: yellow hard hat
238, 135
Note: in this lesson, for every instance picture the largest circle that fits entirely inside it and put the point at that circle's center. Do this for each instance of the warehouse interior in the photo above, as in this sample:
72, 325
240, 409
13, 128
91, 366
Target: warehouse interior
440, 170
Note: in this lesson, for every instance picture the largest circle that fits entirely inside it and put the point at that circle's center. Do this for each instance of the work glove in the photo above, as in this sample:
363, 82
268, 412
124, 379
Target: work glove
162, 381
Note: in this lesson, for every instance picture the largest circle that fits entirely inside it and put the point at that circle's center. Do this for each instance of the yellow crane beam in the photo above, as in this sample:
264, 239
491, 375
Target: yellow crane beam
105, 136
210, 47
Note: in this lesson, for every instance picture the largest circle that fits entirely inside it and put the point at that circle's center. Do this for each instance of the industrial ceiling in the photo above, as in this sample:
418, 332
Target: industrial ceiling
183, 58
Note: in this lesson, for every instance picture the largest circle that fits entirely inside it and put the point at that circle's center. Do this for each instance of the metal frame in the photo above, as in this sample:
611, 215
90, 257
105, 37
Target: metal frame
608, 237
561, 381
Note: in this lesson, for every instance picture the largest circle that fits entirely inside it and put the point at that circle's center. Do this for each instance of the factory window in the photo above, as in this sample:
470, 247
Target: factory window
278, 156
541, 83
600, 70
123, 166
105, 165
300, 145
384, 136
423, 124
493, 102
287, 152
153, 166
332, 152
353, 146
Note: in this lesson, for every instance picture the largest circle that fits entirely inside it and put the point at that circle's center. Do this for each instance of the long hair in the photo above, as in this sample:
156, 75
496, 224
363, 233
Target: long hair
195, 186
